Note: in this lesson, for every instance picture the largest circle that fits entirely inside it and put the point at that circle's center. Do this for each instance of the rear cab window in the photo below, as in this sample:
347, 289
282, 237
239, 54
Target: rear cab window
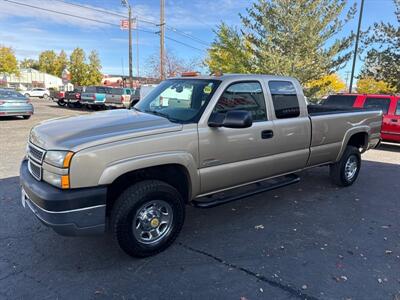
378, 103
340, 100
284, 98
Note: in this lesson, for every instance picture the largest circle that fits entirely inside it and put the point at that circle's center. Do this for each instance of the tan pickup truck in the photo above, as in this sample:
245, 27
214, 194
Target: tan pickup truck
202, 141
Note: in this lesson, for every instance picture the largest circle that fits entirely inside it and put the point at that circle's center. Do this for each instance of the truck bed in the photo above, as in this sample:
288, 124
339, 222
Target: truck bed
318, 110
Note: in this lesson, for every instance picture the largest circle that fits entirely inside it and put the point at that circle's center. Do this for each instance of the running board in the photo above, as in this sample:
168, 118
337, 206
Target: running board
245, 191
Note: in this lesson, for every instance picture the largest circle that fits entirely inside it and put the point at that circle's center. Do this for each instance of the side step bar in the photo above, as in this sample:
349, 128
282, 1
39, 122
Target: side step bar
245, 191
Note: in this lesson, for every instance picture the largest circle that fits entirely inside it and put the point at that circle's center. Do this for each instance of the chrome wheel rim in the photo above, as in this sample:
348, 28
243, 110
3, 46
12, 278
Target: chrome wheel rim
351, 167
152, 222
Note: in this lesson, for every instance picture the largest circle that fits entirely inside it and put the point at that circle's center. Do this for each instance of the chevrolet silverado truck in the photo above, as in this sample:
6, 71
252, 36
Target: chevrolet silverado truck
200, 140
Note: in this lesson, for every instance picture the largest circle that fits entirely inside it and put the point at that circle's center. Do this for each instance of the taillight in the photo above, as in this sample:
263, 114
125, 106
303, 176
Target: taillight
94, 97
62, 94
77, 95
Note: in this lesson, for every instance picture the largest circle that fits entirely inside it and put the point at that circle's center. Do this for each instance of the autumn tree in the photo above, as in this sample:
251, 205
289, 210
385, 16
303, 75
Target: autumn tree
94, 75
61, 63
48, 62
296, 38
369, 85
8, 61
78, 67
29, 63
382, 61
324, 86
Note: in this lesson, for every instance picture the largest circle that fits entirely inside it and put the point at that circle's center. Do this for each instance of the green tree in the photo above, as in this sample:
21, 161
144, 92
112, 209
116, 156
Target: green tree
61, 63
8, 61
297, 38
324, 86
29, 63
78, 67
94, 75
47, 62
382, 61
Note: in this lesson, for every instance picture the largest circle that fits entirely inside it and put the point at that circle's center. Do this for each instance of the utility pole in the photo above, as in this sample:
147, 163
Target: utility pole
137, 47
162, 36
356, 46
130, 45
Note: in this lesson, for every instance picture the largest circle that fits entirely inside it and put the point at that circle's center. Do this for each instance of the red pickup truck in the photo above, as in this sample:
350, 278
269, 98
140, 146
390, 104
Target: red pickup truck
389, 104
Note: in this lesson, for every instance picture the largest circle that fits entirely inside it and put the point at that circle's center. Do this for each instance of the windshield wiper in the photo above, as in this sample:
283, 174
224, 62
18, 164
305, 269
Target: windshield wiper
164, 115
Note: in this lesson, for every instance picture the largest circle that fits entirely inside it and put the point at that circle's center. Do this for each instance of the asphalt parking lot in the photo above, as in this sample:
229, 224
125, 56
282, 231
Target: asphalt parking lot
311, 240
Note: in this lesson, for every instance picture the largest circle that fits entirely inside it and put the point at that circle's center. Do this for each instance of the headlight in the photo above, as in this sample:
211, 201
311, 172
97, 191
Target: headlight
60, 159
61, 181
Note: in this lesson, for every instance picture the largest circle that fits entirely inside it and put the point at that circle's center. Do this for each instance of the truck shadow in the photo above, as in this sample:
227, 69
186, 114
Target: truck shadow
294, 216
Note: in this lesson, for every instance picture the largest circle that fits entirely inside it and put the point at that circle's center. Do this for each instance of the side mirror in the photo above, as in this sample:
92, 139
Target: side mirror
231, 119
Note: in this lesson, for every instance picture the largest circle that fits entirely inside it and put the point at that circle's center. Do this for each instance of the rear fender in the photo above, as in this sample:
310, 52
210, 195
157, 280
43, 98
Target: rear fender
349, 133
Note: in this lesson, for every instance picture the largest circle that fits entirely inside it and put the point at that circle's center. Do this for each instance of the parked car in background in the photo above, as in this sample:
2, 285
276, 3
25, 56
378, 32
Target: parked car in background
95, 96
13, 103
57, 96
389, 104
37, 92
119, 97
73, 98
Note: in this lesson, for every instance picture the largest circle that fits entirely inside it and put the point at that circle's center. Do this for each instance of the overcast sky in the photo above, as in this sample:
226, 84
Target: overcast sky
29, 30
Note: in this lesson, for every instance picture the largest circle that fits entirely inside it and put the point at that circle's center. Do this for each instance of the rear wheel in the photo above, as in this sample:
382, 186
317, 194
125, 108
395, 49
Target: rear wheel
345, 171
61, 102
147, 218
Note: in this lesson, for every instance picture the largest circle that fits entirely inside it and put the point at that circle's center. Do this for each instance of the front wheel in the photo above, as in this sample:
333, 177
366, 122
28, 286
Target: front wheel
147, 218
61, 102
345, 171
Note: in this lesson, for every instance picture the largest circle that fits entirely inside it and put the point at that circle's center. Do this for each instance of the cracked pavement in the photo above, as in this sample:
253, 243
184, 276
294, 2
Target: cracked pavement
316, 241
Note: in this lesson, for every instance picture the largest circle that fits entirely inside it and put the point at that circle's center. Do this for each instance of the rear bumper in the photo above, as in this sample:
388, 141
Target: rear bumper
69, 212
16, 110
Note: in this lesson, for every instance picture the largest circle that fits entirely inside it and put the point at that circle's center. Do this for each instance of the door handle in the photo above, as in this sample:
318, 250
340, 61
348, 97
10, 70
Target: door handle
394, 120
267, 134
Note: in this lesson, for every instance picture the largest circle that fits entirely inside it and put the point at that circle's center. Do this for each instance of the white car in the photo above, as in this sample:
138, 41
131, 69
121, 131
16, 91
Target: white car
37, 92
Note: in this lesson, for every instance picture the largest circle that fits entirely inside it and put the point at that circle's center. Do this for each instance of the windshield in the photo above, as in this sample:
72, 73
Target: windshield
4, 94
179, 100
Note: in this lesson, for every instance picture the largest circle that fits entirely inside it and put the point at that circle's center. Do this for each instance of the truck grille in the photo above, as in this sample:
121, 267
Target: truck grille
36, 153
35, 170
35, 156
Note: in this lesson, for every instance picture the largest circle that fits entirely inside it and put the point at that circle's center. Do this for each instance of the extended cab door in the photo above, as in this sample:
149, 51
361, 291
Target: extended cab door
234, 156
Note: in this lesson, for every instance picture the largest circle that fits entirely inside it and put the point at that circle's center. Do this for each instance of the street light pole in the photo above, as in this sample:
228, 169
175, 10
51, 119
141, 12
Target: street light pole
356, 46
130, 45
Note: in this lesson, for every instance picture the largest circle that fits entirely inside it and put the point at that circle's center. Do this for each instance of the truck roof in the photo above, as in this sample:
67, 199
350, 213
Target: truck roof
236, 76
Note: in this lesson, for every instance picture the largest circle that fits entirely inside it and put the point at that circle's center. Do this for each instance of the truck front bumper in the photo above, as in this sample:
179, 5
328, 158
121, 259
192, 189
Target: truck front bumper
69, 212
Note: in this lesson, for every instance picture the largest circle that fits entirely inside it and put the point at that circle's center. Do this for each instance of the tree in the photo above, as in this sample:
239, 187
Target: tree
47, 62
94, 75
296, 38
173, 65
78, 67
382, 61
8, 61
369, 85
61, 63
29, 63
324, 86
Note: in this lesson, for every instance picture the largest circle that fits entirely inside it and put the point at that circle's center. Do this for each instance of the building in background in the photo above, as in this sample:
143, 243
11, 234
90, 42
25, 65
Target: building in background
30, 78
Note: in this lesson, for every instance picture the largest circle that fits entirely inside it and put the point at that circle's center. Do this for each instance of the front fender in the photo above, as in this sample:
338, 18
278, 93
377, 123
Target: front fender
121, 167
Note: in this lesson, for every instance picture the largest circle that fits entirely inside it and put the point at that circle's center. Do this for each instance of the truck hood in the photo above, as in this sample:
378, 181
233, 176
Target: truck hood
79, 132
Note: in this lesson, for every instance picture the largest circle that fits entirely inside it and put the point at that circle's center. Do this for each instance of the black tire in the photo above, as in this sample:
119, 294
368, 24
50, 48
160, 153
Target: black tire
78, 104
338, 172
61, 102
128, 205
70, 105
26, 117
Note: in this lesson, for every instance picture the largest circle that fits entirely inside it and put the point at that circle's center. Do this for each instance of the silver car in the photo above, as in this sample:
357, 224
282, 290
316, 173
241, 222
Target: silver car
13, 103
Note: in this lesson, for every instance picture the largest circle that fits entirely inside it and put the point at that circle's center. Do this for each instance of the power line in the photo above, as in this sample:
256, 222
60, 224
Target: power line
141, 19
184, 44
70, 15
